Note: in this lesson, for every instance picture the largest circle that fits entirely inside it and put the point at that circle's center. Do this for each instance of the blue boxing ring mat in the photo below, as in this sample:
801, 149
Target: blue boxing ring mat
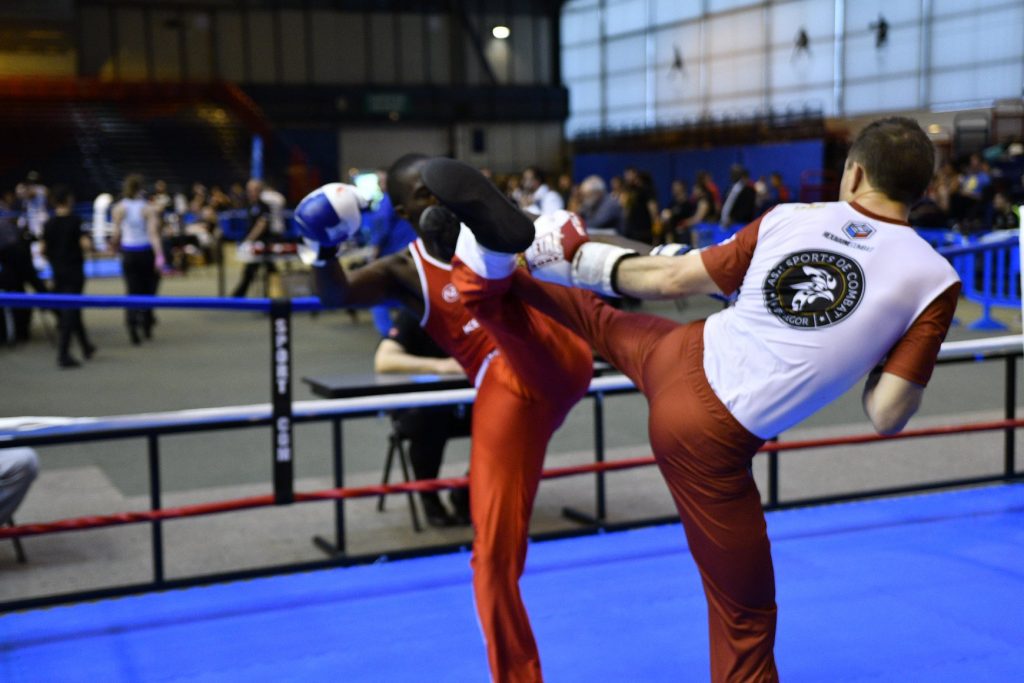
920, 588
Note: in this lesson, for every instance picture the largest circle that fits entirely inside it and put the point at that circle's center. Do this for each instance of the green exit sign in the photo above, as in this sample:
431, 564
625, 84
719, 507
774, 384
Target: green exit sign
387, 103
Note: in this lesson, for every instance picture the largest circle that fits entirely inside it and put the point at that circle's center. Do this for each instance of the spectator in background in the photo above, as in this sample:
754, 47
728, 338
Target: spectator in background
258, 235
738, 208
142, 257
640, 206
537, 197
236, 195
676, 213
617, 188
975, 198
18, 469
514, 189
220, 201
407, 348
600, 211
704, 180
566, 190
65, 244
946, 186
926, 212
35, 203
1005, 216
703, 212
16, 272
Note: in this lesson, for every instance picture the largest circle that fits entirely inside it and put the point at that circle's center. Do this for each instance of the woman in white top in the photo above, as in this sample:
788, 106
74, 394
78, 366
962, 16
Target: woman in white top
136, 236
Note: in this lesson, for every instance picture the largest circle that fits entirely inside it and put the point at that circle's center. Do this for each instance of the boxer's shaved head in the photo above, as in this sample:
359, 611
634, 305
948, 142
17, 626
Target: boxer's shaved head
402, 178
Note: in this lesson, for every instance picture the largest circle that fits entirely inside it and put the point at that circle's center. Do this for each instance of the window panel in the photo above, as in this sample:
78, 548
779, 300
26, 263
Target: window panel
790, 69
987, 83
817, 17
882, 95
524, 70
624, 16
722, 5
622, 118
582, 122
626, 90
163, 30
966, 39
674, 111
672, 83
580, 62
899, 56
413, 66
131, 47
584, 95
944, 7
626, 54
732, 75
199, 45
440, 53
737, 32
382, 48
262, 52
665, 11
862, 13
230, 60
293, 56
581, 27
96, 49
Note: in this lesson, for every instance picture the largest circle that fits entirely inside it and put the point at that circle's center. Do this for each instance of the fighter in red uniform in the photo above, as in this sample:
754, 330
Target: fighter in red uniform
529, 372
827, 293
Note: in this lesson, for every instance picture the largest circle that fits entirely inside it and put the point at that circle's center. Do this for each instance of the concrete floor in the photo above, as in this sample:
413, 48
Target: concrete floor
202, 359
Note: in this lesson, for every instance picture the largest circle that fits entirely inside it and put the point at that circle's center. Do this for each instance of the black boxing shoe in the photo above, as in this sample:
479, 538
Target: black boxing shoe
496, 222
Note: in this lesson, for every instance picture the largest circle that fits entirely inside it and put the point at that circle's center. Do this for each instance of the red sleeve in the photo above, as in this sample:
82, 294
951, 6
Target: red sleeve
727, 262
913, 356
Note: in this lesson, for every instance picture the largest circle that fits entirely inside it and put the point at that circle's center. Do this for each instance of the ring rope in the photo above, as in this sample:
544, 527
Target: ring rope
425, 485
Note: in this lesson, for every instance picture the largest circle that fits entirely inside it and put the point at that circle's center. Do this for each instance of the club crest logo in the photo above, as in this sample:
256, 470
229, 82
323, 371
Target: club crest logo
449, 293
858, 231
813, 289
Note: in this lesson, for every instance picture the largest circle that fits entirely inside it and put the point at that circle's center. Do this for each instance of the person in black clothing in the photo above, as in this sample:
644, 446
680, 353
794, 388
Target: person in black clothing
259, 232
741, 201
16, 271
641, 206
64, 244
673, 217
409, 349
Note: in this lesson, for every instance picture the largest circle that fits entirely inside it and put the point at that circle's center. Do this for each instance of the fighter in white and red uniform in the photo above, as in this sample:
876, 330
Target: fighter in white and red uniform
529, 372
826, 293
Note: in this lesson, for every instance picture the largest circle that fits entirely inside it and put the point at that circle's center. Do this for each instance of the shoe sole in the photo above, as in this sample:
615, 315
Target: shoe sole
496, 222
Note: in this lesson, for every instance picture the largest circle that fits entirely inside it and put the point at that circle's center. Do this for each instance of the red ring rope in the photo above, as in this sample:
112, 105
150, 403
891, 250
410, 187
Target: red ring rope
98, 521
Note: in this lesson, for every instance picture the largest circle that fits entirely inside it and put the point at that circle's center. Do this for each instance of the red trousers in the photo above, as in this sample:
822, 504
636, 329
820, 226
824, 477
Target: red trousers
541, 372
704, 455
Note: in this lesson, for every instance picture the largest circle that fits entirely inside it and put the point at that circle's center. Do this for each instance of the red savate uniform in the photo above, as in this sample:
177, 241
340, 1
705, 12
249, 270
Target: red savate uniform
700, 445
529, 372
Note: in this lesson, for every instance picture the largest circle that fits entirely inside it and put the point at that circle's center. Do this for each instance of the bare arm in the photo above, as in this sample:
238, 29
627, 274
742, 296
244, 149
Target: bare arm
153, 232
392, 357
116, 217
390, 279
890, 401
664, 277
258, 228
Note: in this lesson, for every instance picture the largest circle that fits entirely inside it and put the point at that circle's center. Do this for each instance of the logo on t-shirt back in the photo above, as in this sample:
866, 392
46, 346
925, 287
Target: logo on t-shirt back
858, 231
449, 293
813, 289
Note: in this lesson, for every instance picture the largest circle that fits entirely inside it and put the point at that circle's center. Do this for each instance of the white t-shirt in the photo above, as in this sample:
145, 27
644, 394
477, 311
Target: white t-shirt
826, 291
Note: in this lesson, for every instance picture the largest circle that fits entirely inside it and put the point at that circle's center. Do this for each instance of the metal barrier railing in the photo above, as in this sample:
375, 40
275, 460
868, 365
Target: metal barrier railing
282, 413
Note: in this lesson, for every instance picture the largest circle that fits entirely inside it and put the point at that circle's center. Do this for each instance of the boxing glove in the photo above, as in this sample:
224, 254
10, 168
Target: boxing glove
563, 254
327, 217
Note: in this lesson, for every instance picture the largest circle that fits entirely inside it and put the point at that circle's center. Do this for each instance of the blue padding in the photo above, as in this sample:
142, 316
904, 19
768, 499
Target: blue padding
96, 301
924, 588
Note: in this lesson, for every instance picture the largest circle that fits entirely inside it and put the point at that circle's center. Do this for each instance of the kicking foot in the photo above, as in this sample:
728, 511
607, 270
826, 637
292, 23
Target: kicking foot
495, 221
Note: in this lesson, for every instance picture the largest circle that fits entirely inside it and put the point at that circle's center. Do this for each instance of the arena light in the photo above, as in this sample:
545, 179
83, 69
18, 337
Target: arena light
501, 32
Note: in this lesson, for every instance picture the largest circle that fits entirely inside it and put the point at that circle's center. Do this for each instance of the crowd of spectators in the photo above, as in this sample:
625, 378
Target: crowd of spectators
981, 194
628, 205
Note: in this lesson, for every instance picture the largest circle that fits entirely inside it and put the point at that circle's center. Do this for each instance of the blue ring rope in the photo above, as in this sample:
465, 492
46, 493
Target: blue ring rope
17, 300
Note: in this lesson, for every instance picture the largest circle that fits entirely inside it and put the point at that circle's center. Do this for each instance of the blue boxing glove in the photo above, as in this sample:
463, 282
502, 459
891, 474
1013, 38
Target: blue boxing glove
327, 217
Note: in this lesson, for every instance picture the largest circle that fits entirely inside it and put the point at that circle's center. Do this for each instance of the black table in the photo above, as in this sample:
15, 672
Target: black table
378, 384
